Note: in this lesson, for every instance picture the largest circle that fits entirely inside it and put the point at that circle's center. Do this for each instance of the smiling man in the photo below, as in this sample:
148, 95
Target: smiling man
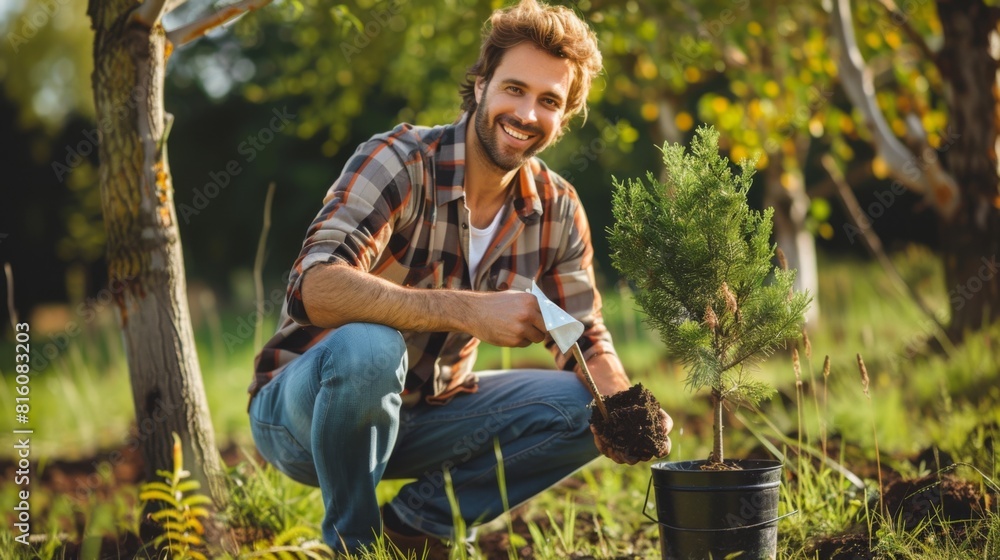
424, 247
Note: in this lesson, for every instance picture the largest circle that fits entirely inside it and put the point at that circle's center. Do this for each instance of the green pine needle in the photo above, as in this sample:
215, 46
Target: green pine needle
700, 259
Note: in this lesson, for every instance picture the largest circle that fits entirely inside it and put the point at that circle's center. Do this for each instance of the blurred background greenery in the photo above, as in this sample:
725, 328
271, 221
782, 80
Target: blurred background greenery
284, 95
761, 72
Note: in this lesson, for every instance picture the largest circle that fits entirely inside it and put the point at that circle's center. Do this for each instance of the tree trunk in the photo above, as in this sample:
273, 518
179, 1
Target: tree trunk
791, 208
971, 240
717, 455
145, 265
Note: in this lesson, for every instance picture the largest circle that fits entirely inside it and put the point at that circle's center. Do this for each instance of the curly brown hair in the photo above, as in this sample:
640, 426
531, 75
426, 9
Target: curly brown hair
554, 29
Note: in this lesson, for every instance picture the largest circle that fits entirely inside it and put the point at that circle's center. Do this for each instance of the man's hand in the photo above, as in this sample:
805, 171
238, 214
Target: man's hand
608, 451
510, 319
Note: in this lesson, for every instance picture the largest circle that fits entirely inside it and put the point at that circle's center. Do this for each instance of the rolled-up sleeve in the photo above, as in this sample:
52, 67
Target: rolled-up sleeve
358, 216
571, 284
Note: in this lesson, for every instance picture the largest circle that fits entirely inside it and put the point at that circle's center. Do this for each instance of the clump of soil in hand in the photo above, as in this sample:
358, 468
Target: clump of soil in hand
634, 426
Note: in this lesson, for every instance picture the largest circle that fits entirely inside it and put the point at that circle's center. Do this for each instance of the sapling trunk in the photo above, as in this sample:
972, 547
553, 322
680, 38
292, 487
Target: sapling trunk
717, 400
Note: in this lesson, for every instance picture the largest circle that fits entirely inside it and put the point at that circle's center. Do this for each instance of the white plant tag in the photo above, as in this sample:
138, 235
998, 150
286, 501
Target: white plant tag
565, 330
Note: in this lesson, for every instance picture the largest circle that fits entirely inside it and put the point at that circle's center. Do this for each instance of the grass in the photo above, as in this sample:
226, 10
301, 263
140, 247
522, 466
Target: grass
81, 409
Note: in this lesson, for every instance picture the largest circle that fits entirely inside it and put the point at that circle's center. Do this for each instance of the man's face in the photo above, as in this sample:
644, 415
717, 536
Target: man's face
520, 109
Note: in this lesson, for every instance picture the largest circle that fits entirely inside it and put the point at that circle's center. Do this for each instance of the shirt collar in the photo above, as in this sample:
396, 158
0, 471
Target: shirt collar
450, 168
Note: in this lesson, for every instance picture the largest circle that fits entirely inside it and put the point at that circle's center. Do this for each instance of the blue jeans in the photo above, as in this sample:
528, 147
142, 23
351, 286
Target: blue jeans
334, 418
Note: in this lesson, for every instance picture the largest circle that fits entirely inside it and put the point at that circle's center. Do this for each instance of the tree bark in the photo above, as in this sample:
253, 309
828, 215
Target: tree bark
145, 265
791, 208
971, 239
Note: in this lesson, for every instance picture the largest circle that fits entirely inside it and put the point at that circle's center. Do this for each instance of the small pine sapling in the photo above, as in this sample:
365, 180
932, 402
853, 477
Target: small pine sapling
700, 259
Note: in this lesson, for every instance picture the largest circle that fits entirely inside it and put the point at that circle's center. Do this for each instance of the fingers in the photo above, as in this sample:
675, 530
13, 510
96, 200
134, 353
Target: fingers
668, 422
623, 458
612, 453
535, 334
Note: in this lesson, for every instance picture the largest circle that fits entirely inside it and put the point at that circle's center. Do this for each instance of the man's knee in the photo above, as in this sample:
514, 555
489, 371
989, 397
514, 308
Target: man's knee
365, 355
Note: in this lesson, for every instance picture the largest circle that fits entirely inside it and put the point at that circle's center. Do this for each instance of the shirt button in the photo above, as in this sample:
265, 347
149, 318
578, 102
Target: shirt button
465, 225
502, 286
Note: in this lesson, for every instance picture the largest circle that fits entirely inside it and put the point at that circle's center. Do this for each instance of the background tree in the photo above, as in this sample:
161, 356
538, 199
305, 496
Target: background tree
952, 165
145, 263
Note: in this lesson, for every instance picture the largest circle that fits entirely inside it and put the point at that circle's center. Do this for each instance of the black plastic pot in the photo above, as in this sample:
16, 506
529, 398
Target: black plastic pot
713, 514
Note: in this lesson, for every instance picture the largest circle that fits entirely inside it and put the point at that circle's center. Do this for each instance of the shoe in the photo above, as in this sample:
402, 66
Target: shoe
423, 546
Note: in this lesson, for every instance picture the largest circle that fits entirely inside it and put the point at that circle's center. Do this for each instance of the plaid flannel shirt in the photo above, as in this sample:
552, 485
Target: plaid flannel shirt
398, 211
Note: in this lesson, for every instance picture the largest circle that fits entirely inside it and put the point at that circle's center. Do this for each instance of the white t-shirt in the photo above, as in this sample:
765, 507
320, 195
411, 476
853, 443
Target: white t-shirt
479, 241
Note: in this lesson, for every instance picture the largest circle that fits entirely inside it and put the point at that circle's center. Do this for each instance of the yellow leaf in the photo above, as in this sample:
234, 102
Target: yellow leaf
893, 40
719, 104
899, 127
151, 495
846, 124
157, 485
771, 88
174, 528
188, 486
873, 40
189, 539
196, 499
826, 231
254, 93
628, 135
692, 75
645, 68
650, 111
738, 153
880, 169
164, 514
762, 161
684, 121
754, 29
198, 511
178, 453
815, 127
196, 526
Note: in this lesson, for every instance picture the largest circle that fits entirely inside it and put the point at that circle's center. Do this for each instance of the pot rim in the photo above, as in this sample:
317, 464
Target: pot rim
747, 465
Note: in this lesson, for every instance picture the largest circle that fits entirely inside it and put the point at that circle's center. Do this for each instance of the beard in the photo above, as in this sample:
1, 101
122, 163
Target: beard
488, 131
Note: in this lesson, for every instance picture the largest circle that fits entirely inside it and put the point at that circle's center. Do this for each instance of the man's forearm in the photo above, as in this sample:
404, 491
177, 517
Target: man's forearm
608, 373
335, 295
